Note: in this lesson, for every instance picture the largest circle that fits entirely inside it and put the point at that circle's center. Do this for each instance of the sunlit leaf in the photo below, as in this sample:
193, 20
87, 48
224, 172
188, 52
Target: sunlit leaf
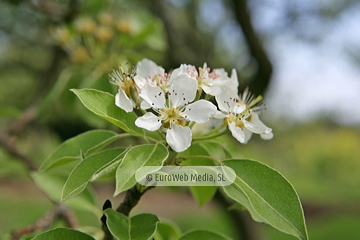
87, 143
63, 234
103, 105
52, 185
136, 157
203, 234
167, 230
83, 172
271, 196
139, 227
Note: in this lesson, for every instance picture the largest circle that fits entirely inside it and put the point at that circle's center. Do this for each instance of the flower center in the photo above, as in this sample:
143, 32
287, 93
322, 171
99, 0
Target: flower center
160, 80
235, 118
126, 85
171, 115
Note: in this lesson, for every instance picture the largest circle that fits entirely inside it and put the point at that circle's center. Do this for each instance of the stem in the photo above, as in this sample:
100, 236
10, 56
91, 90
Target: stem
11, 149
161, 134
212, 136
132, 198
207, 97
47, 220
191, 125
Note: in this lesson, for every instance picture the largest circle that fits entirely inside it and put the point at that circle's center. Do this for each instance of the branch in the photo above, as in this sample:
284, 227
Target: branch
47, 220
6, 143
131, 199
262, 77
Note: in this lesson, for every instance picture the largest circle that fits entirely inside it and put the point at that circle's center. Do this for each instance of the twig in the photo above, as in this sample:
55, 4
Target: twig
28, 162
47, 220
131, 199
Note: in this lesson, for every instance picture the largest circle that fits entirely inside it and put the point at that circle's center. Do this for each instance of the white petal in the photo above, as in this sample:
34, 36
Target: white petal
248, 135
199, 111
237, 132
149, 121
147, 68
182, 90
178, 137
221, 73
219, 115
139, 81
226, 99
239, 108
258, 127
183, 69
211, 90
234, 83
153, 95
123, 102
267, 136
144, 105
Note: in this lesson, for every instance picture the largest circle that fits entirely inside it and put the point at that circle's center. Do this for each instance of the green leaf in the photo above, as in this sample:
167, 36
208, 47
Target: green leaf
203, 194
139, 227
87, 143
52, 185
216, 149
118, 224
63, 234
271, 196
136, 157
203, 234
143, 226
236, 194
83, 172
167, 230
103, 105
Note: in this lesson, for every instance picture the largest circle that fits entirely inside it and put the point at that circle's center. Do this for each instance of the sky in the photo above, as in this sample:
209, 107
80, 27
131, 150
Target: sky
314, 74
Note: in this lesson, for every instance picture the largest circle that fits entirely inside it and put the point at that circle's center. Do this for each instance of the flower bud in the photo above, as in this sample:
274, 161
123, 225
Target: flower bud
106, 19
123, 26
104, 33
85, 25
80, 55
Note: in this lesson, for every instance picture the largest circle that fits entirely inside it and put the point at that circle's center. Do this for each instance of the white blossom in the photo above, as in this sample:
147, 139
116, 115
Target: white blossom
125, 85
174, 109
210, 82
149, 72
240, 114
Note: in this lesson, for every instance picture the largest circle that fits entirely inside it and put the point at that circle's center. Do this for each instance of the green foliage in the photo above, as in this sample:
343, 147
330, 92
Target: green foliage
83, 172
103, 105
270, 195
136, 157
9, 111
203, 234
52, 184
202, 194
86, 143
139, 227
167, 230
63, 234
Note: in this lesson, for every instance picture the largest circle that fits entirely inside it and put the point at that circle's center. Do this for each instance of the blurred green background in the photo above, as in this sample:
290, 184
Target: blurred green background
303, 56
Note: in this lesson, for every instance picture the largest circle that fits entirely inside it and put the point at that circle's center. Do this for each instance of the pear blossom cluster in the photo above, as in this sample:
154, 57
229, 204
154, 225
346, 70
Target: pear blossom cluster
172, 103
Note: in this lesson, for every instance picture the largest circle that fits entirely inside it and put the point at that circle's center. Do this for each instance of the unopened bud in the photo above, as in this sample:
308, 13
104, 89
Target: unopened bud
104, 33
80, 55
